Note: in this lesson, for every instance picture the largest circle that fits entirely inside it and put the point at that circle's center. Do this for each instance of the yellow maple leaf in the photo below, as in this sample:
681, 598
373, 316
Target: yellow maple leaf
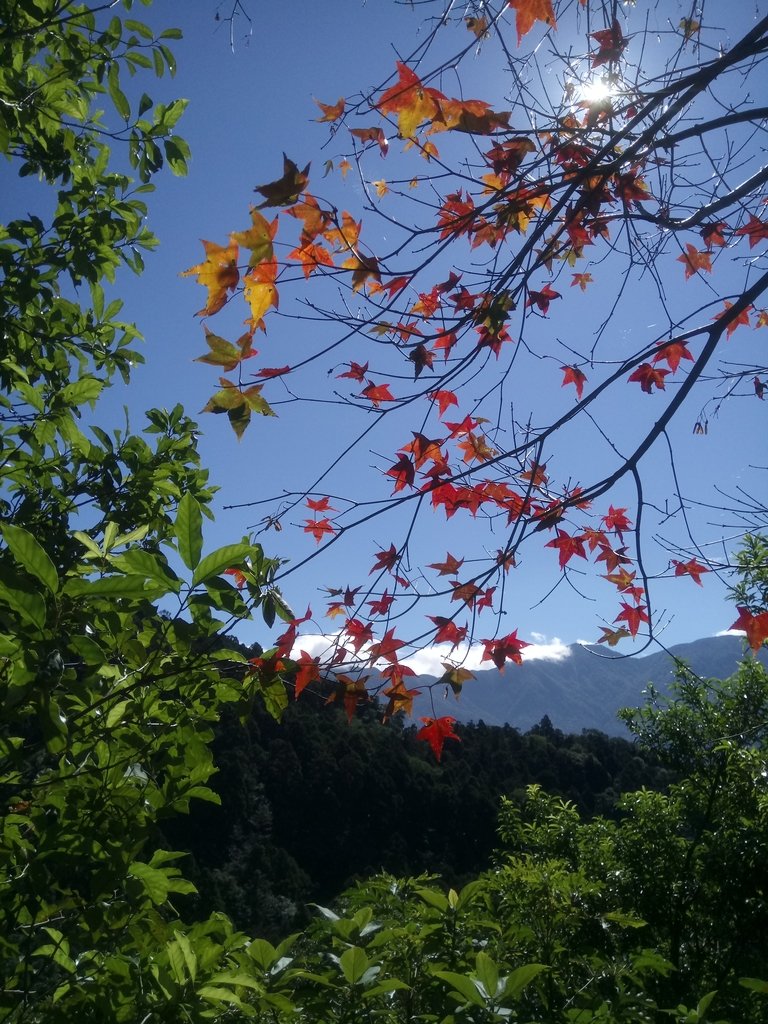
218, 273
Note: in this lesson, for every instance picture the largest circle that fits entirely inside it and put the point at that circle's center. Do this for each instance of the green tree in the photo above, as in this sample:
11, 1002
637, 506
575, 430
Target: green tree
114, 652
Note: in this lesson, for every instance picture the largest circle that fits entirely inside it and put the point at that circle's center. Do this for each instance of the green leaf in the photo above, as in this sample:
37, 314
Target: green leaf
354, 963
463, 985
31, 556
487, 973
521, 977
112, 587
138, 562
755, 985
217, 561
115, 714
118, 97
27, 603
87, 389
188, 529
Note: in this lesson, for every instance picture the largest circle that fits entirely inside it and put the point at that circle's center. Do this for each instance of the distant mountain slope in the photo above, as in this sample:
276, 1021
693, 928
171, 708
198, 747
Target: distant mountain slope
584, 690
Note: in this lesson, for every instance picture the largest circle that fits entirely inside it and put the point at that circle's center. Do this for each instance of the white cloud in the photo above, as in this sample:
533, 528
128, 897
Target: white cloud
429, 661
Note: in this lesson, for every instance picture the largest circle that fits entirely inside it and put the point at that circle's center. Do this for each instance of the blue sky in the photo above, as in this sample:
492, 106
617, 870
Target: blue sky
252, 102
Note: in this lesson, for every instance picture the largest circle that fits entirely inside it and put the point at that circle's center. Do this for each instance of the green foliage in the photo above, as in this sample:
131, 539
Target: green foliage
114, 655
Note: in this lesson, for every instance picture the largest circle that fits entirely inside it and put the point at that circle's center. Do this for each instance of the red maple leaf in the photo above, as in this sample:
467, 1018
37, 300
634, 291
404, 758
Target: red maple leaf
385, 559
436, 731
690, 568
385, 648
543, 298
377, 393
673, 352
616, 520
647, 377
402, 472
382, 604
633, 615
612, 44
712, 234
307, 670
741, 319
444, 399
318, 528
449, 567
755, 230
356, 371
359, 633
567, 546
755, 626
573, 375
506, 648
447, 631
320, 505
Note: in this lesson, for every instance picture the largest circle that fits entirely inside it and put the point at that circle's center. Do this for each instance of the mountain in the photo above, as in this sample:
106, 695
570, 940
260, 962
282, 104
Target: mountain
583, 690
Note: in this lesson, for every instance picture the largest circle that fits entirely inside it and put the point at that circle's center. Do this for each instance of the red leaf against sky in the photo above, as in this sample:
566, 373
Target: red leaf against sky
616, 520
630, 188
377, 393
647, 377
402, 472
712, 234
447, 631
528, 12
573, 375
694, 259
382, 604
543, 298
436, 731
444, 399
385, 648
320, 504
307, 671
449, 567
690, 568
318, 528
359, 633
567, 547
611, 42
755, 230
356, 371
673, 352
755, 626
633, 615
613, 559
506, 648
741, 320
420, 356
759, 386
272, 371
385, 559
444, 342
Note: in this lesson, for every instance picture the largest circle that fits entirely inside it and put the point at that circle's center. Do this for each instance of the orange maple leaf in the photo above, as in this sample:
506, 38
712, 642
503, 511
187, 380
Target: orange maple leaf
318, 528
259, 291
449, 567
412, 101
528, 12
755, 230
755, 626
694, 260
633, 615
218, 273
741, 319
647, 377
307, 671
331, 112
377, 393
673, 352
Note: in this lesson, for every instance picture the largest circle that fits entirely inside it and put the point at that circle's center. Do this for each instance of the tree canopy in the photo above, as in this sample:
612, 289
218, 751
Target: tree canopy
529, 311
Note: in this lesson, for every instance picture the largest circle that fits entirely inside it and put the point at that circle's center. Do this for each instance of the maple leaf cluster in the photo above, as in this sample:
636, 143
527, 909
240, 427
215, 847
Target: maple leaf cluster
537, 207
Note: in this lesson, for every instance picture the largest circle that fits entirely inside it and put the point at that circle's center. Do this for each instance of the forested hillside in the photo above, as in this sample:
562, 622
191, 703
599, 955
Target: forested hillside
315, 802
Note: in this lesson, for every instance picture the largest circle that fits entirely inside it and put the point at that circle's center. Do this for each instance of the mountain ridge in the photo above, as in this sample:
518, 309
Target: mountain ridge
583, 690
